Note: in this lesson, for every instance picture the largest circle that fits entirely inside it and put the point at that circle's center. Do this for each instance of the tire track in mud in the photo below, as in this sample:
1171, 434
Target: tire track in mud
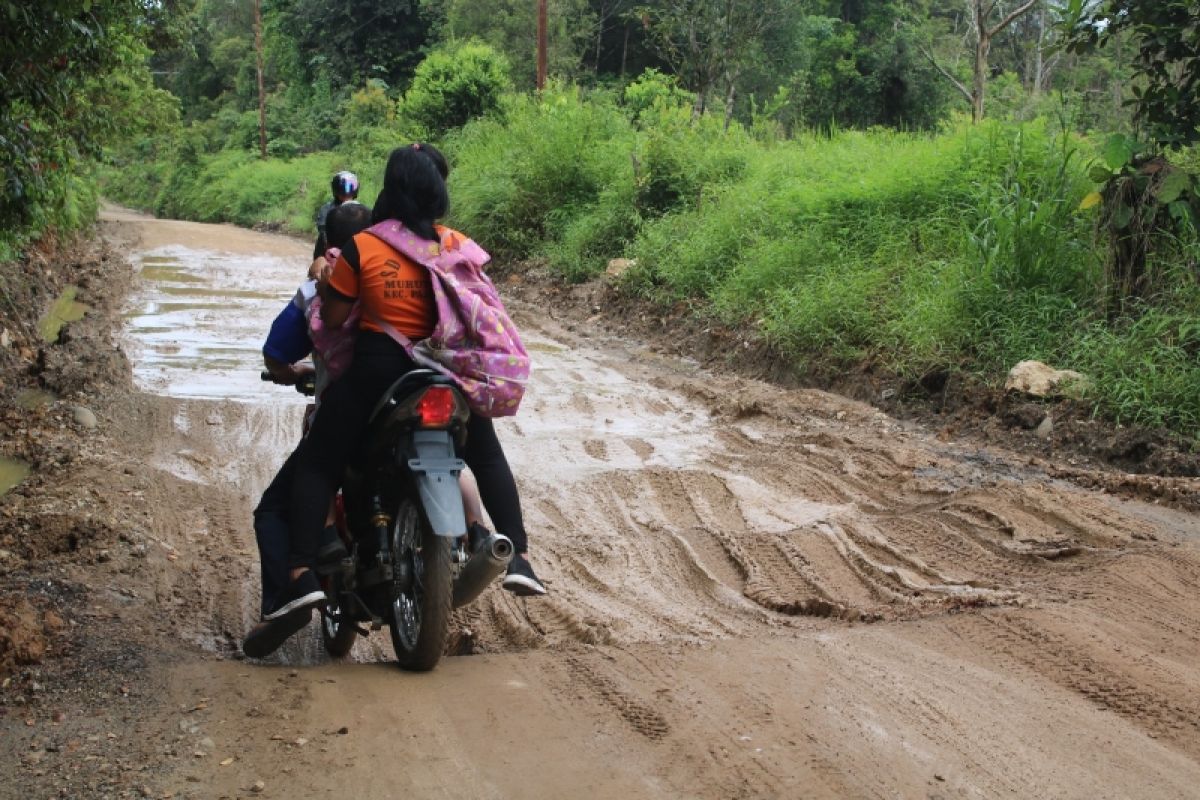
820, 520
1134, 688
640, 715
653, 519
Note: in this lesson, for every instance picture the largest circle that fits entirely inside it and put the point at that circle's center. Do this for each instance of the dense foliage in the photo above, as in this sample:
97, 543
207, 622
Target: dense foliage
72, 79
1167, 58
1150, 205
802, 171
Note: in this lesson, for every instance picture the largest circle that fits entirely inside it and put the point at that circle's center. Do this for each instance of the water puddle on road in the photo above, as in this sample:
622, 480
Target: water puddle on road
196, 325
34, 399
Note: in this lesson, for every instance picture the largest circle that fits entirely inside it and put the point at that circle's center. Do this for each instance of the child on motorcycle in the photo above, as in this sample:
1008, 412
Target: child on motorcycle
287, 344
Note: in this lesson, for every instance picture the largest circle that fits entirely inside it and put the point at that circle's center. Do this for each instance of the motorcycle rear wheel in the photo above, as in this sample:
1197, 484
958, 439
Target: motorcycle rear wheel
419, 618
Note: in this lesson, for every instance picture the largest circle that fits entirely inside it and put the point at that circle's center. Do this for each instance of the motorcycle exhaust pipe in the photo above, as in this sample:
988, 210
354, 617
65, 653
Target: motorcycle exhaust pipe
484, 566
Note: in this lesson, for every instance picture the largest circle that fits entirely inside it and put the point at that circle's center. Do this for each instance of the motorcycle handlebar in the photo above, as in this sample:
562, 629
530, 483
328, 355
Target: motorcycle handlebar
306, 386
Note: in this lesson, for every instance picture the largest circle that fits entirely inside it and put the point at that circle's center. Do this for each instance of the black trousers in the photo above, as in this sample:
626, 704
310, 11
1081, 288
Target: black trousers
337, 431
273, 534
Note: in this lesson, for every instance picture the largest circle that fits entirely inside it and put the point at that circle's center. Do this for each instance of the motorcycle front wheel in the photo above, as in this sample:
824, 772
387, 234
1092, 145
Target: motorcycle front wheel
421, 590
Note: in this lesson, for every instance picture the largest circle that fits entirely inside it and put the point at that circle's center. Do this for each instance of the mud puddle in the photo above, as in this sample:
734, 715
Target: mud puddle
195, 326
12, 472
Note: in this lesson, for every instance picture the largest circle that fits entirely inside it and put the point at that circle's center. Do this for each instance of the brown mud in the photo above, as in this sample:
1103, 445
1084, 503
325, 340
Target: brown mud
756, 591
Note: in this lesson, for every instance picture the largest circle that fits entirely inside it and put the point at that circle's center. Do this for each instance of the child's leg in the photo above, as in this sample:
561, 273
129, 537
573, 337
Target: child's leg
472, 508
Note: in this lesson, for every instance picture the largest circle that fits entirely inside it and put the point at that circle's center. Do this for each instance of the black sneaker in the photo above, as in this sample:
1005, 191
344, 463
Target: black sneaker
303, 592
266, 637
520, 579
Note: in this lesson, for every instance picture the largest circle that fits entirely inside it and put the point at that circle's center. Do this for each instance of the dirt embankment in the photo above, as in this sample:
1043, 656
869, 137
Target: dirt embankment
755, 592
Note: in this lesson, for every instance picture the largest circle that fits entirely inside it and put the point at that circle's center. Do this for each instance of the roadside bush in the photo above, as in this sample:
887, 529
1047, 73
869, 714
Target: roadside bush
283, 148
677, 160
1146, 370
914, 251
368, 107
520, 181
237, 186
654, 91
454, 85
595, 234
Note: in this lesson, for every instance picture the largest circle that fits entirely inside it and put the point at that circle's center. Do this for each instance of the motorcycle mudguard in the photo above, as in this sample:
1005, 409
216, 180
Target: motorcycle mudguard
436, 471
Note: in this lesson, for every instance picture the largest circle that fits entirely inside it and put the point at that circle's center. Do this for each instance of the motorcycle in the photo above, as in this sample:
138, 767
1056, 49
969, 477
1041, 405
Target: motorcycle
406, 559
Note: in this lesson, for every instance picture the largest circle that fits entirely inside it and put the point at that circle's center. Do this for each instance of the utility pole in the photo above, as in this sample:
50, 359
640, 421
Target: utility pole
262, 94
541, 45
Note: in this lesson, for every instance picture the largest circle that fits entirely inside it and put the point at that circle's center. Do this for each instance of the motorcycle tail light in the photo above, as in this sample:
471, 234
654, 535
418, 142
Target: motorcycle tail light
436, 407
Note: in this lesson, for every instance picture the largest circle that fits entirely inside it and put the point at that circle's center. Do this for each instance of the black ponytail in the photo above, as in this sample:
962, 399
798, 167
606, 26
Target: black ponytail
414, 190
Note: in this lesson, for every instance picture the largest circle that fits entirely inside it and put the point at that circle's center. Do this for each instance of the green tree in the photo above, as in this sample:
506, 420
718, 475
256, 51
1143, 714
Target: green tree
1166, 99
986, 20
1148, 203
855, 65
55, 60
510, 27
710, 44
354, 40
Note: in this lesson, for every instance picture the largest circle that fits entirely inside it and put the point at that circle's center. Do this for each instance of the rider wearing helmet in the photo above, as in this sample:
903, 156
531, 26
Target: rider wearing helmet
344, 187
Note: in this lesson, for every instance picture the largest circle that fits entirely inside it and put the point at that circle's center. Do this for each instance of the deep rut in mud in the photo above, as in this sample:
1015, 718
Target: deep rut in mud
753, 593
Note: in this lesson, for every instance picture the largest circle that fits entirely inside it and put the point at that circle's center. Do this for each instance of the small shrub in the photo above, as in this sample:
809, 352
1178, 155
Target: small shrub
283, 148
1146, 370
454, 85
518, 182
652, 91
369, 107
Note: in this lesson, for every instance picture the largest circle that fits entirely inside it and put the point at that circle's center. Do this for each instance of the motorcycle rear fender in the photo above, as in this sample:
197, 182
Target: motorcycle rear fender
435, 470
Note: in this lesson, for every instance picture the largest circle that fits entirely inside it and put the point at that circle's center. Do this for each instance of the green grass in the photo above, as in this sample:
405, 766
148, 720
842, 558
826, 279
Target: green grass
962, 250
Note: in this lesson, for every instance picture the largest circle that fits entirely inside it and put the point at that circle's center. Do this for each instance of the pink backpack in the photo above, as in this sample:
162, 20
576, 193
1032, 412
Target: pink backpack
474, 341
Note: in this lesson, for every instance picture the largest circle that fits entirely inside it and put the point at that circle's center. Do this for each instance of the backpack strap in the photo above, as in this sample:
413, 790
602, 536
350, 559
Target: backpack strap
426, 253
390, 330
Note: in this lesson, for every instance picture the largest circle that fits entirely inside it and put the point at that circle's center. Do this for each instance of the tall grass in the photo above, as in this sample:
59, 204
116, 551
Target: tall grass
962, 250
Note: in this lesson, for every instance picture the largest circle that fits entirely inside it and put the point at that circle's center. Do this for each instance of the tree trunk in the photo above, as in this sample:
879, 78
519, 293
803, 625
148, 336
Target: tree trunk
730, 96
983, 43
541, 45
624, 51
981, 67
1039, 63
262, 94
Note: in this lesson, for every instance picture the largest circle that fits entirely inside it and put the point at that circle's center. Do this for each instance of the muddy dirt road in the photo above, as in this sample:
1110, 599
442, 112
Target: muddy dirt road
754, 593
